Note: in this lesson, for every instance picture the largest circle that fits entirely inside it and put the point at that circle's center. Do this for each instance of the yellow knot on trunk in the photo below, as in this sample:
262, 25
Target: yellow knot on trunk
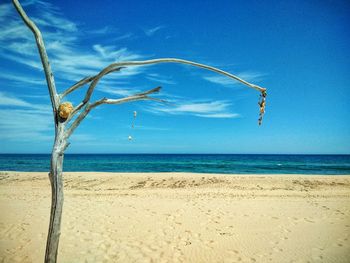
65, 109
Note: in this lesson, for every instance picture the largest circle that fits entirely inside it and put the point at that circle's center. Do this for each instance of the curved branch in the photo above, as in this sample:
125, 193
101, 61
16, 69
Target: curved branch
166, 60
117, 66
43, 55
84, 81
77, 85
89, 107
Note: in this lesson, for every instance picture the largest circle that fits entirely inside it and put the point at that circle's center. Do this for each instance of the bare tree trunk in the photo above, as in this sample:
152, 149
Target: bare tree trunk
55, 176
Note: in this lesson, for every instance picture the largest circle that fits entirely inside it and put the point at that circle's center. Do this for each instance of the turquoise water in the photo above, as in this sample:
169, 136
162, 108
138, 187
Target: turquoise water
198, 163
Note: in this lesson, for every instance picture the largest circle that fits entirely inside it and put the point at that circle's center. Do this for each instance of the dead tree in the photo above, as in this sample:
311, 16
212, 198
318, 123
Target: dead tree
67, 118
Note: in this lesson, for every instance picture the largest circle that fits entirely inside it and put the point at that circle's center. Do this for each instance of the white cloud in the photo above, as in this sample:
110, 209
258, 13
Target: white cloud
70, 59
123, 92
5, 10
19, 79
33, 63
100, 31
122, 54
82, 137
57, 22
220, 80
206, 109
25, 125
219, 115
24, 121
149, 128
228, 82
252, 75
158, 78
9, 100
151, 31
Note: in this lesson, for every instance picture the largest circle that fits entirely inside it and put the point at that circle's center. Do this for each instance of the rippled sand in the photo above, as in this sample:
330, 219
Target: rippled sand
179, 217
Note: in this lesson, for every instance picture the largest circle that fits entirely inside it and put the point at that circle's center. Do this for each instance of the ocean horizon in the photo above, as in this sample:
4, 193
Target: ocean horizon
322, 164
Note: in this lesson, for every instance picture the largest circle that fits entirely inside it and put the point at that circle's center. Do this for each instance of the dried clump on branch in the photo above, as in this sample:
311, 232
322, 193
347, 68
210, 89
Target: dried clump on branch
65, 109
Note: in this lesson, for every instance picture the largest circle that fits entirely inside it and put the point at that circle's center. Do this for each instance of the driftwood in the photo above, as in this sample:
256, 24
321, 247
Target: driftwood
65, 126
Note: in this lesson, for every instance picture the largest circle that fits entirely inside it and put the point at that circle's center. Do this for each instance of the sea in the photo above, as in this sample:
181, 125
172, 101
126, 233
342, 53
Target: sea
196, 163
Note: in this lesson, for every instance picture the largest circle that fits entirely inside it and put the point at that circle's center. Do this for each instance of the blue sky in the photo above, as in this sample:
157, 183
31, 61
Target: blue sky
298, 50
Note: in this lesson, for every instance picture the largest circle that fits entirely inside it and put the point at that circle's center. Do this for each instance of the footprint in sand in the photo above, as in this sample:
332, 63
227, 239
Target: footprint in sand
277, 249
235, 256
308, 220
209, 243
325, 207
286, 230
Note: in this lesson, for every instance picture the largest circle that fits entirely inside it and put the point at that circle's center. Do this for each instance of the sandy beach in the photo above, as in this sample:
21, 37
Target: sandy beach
178, 217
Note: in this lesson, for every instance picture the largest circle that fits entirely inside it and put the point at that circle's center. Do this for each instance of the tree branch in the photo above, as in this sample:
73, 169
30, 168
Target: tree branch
155, 90
84, 81
77, 85
43, 55
166, 60
117, 66
89, 107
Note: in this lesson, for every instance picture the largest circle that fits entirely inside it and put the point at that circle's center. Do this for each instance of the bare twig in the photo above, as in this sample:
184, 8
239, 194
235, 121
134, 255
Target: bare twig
138, 96
77, 85
155, 90
84, 81
89, 107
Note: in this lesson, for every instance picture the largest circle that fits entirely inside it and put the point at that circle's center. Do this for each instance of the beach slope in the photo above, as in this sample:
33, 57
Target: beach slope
178, 217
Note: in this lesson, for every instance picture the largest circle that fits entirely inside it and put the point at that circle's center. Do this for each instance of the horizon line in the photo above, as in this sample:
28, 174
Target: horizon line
183, 153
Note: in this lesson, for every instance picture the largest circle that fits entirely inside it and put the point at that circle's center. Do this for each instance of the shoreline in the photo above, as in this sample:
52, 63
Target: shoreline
179, 173
178, 217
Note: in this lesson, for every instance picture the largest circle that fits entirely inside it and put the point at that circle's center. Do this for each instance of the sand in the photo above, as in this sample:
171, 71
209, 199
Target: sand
179, 217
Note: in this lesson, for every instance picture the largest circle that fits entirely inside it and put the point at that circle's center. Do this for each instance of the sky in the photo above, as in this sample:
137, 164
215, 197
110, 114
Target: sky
298, 50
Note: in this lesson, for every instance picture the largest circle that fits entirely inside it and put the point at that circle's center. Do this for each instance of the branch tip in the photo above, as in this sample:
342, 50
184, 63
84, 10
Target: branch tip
155, 90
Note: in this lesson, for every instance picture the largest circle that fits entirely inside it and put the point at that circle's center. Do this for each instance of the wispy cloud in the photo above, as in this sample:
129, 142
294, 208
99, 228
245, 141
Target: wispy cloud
70, 59
82, 137
151, 31
100, 31
220, 115
148, 128
7, 99
75, 53
225, 81
113, 34
19, 125
125, 36
19, 79
50, 19
205, 109
5, 10
23, 121
118, 91
158, 78
122, 54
